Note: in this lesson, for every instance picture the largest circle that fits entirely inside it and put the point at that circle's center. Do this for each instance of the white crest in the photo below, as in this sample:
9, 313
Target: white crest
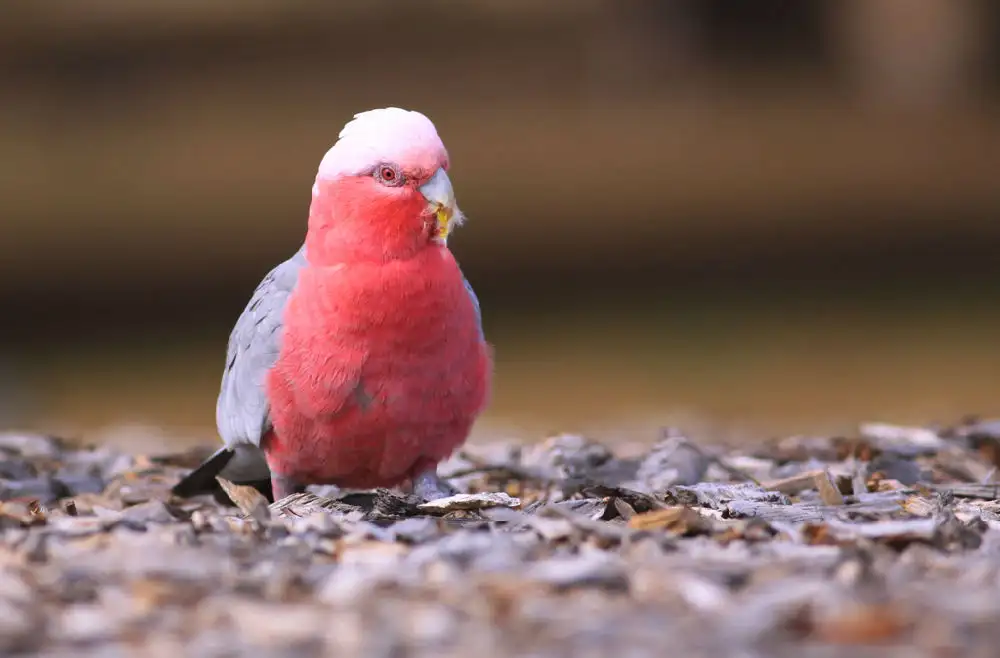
388, 134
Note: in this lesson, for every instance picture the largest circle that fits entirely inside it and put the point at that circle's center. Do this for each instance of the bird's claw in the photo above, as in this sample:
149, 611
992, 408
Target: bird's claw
429, 486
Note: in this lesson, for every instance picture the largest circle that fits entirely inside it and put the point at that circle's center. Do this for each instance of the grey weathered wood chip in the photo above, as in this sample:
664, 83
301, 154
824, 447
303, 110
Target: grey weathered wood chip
466, 502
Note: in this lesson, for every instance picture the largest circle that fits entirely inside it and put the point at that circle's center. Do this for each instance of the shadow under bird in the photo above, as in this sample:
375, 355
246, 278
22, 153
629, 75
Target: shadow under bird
360, 361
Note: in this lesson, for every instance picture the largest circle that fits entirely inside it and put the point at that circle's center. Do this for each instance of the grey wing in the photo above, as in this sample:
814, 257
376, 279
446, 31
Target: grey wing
475, 303
242, 413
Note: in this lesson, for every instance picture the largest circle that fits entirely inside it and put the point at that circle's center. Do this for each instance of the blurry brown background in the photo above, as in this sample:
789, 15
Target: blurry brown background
758, 217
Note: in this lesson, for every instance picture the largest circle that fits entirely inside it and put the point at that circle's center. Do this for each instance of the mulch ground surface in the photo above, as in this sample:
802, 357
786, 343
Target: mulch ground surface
882, 543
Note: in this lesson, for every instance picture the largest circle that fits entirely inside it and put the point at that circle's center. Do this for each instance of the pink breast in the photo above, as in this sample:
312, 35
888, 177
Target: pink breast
417, 375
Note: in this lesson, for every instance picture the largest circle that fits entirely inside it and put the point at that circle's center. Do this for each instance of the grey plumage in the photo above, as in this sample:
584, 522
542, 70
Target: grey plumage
475, 303
241, 412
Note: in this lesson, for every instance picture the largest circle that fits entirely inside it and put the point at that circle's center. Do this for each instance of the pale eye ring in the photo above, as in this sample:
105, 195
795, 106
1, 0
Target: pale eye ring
389, 174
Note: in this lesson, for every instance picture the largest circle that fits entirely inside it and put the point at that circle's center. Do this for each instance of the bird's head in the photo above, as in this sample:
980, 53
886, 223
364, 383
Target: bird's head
382, 191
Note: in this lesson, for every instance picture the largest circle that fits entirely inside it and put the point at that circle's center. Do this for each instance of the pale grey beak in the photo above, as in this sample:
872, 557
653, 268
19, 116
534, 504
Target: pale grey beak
441, 197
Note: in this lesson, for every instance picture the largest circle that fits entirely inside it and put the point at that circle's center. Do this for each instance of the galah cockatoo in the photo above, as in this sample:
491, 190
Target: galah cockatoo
360, 361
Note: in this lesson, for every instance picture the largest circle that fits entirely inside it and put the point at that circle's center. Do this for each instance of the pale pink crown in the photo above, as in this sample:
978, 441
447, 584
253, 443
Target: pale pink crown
389, 134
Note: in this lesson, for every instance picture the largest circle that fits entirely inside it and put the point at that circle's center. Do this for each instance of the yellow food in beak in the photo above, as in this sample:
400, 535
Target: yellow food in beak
443, 215
441, 197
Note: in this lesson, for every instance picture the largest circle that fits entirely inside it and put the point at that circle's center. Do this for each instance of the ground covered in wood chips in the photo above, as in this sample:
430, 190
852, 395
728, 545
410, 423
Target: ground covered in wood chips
874, 544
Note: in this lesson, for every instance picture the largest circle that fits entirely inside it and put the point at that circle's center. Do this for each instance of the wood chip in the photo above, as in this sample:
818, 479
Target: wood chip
794, 484
903, 440
251, 502
984, 491
306, 503
907, 529
793, 514
718, 496
466, 502
678, 520
828, 491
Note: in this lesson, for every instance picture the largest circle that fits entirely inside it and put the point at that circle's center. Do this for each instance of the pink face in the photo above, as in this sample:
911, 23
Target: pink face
409, 173
382, 190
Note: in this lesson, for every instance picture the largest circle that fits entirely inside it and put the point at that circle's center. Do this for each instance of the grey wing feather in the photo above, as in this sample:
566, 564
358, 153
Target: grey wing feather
242, 412
475, 303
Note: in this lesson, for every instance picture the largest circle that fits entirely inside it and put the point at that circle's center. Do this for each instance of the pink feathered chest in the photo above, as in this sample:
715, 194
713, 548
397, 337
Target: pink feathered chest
381, 372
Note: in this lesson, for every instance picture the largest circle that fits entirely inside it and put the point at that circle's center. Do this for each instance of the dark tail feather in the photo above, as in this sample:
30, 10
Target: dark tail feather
202, 479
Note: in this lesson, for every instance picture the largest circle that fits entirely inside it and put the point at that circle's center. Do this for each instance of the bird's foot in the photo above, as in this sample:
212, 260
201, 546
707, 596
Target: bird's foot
283, 486
429, 486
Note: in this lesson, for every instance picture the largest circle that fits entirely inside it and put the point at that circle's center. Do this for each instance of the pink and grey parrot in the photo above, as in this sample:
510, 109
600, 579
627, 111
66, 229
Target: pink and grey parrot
360, 361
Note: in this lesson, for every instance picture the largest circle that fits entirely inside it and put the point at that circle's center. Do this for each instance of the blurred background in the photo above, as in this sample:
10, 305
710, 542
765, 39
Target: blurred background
747, 218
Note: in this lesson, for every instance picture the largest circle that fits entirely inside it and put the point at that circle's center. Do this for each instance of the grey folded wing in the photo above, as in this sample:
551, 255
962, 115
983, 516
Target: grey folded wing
242, 411
475, 303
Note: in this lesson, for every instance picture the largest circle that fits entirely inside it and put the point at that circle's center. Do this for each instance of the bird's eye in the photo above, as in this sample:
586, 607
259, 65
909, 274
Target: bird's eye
388, 174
